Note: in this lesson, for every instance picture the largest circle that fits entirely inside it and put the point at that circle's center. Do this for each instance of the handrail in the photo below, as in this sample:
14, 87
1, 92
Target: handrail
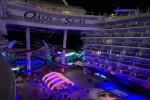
33, 49
116, 17
13, 17
54, 14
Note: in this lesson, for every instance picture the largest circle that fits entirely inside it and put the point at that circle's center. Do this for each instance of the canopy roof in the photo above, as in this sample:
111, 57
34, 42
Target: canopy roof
61, 2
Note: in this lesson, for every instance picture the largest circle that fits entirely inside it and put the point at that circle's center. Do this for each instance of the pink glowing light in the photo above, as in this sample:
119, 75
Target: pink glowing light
53, 81
49, 74
56, 79
57, 84
51, 77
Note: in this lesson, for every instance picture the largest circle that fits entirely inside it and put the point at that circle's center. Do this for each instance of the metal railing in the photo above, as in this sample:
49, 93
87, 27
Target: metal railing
42, 12
120, 16
19, 18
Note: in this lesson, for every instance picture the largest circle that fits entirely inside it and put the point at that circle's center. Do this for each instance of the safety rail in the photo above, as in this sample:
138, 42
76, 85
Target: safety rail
54, 15
128, 15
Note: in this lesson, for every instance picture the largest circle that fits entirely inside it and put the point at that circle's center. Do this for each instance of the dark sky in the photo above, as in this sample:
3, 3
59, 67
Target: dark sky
109, 5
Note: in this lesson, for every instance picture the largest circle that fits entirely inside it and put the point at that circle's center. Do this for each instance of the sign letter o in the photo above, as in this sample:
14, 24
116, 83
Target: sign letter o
29, 15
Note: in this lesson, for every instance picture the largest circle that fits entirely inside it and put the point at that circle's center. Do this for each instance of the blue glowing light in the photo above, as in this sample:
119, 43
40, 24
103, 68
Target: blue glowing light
121, 92
28, 71
70, 63
125, 10
97, 74
103, 76
32, 62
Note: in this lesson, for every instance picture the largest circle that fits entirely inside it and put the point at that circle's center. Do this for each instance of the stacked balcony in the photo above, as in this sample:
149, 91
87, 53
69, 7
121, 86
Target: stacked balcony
122, 49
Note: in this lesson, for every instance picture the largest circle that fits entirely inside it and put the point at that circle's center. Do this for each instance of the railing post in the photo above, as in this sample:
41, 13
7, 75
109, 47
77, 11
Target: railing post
148, 10
99, 13
137, 12
92, 13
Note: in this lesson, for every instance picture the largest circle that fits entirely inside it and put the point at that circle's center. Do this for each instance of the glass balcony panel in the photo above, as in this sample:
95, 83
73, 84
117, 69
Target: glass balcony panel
148, 22
130, 53
133, 34
132, 44
105, 35
108, 26
115, 52
146, 34
146, 45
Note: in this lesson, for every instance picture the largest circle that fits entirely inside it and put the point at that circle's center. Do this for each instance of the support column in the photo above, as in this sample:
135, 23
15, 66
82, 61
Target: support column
64, 50
28, 48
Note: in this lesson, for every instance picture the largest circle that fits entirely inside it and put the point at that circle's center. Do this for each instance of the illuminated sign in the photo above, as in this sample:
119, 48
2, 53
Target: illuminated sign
33, 15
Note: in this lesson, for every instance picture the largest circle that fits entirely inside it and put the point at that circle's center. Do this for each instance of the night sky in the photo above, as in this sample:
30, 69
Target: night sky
107, 6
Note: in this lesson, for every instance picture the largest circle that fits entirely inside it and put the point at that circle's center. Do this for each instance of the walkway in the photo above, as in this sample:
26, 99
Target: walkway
26, 91
81, 84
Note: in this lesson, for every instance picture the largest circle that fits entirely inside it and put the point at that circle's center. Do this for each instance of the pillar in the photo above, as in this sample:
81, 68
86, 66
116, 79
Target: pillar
64, 50
28, 48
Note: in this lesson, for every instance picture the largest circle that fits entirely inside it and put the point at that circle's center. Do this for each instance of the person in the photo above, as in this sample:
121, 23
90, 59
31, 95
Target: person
50, 97
79, 98
61, 97
99, 91
47, 97
87, 91
69, 98
55, 96
35, 81
44, 90
65, 97
40, 85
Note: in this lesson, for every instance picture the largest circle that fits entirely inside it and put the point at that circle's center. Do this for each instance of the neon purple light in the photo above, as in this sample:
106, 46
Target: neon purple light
56, 80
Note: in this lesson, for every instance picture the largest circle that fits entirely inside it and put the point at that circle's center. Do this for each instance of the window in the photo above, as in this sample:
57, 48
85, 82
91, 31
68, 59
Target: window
66, 12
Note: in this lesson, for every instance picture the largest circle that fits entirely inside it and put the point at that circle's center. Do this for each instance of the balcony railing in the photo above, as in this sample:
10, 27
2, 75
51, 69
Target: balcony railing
108, 27
132, 44
140, 65
105, 35
143, 55
126, 62
115, 52
118, 35
134, 34
130, 53
133, 24
43, 12
146, 45
96, 35
146, 34
125, 25
104, 50
127, 15
148, 22
117, 43
113, 59
120, 25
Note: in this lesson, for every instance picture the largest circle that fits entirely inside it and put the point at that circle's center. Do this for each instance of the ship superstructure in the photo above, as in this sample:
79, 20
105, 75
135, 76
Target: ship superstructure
122, 48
